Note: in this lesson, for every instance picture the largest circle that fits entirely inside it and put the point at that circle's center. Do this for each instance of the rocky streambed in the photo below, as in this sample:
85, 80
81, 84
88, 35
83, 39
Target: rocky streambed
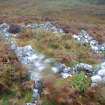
36, 63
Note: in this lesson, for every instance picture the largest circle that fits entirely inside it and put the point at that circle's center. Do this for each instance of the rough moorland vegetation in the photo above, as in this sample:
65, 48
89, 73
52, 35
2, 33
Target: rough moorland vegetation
72, 16
78, 93
13, 78
63, 48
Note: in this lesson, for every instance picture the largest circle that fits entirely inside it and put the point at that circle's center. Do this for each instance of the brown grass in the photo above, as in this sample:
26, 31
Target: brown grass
60, 47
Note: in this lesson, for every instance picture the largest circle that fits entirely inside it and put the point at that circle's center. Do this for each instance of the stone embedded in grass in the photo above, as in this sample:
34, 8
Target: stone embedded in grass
102, 47
65, 75
96, 79
101, 72
62, 70
29, 104
55, 70
100, 66
84, 38
4, 26
60, 67
13, 46
45, 26
3, 30
83, 67
33, 57
99, 76
67, 70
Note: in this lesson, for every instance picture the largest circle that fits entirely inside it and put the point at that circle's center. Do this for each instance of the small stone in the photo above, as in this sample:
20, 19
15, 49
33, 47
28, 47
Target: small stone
67, 70
101, 72
75, 36
83, 67
13, 46
65, 75
55, 70
35, 93
4, 26
60, 67
32, 57
96, 79
29, 103
102, 65
95, 48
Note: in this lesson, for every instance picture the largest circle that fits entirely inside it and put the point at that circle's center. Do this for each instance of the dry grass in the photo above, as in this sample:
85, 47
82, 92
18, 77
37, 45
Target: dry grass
67, 95
58, 46
12, 75
70, 15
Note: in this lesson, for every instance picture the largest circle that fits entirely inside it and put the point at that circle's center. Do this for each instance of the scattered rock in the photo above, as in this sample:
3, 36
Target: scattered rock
4, 27
30, 104
46, 26
84, 38
37, 62
88, 69
65, 75
39, 86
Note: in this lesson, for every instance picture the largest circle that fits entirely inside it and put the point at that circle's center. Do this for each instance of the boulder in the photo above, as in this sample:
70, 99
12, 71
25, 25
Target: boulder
4, 26
13, 46
67, 70
101, 72
27, 48
33, 57
29, 104
75, 36
93, 43
95, 48
60, 67
96, 79
83, 67
35, 93
38, 86
102, 47
102, 65
55, 69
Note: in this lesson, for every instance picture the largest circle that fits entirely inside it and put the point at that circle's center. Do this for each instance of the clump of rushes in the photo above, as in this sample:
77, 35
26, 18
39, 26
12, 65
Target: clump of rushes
81, 82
